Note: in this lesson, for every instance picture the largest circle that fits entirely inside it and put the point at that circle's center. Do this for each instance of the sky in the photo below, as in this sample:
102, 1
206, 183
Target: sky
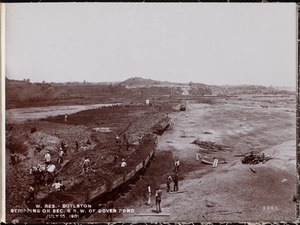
211, 43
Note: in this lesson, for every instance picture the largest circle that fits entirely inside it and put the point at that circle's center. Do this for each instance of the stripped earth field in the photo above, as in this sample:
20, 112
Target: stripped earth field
231, 191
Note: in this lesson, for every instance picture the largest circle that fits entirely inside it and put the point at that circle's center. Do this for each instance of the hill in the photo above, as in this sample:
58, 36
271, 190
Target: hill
26, 94
141, 82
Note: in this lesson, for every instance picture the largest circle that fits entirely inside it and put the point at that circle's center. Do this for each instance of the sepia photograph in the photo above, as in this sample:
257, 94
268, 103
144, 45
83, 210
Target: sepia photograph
143, 112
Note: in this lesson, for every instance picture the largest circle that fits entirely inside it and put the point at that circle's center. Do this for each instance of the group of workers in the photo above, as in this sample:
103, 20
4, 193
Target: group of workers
123, 141
120, 142
62, 152
158, 193
58, 186
174, 179
43, 173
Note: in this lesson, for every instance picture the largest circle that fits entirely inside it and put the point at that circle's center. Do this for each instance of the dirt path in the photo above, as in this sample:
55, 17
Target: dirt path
231, 192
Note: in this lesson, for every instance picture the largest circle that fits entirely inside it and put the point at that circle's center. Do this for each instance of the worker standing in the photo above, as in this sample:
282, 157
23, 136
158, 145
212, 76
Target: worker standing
176, 182
31, 194
76, 145
118, 142
149, 194
64, 148
169, 181
110, 207
13, 157
177, 163
158, 194
62, 186
60, 156
140, 139
86, 164
47, 158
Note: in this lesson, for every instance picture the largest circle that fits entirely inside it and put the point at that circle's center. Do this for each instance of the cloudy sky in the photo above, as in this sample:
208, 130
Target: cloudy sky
247, 43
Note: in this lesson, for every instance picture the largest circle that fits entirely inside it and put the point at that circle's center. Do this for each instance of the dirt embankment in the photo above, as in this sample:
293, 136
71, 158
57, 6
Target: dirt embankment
95, 142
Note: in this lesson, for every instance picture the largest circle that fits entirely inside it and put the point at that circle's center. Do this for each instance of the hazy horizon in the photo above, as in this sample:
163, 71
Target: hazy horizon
179, 83
213, 44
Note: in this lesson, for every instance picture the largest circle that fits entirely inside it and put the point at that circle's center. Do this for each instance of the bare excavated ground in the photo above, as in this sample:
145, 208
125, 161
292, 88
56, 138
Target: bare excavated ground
84, 126
231, 192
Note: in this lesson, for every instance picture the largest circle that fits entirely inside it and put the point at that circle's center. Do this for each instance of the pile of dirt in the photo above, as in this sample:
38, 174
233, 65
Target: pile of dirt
161, 125
209, 145
252, 158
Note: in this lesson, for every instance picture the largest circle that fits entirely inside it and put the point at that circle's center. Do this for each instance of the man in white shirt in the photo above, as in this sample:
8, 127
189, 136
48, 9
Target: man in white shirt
57, 185
47, 158
123, 163
60, 156
149, 193
86, 165
177, 165
169, 181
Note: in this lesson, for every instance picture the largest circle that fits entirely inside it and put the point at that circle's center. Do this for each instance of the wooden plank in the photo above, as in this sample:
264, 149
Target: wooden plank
215, 164
139, 167
241, 155
198, 156
98, 191
129, 175
157, 214
151, 153
253, 170
116, 183
206, 162
176, 192
147, 160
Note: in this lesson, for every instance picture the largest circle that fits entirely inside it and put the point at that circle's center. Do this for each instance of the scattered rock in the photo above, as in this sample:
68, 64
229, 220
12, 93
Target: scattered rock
33, 129
294, 198
209, 203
